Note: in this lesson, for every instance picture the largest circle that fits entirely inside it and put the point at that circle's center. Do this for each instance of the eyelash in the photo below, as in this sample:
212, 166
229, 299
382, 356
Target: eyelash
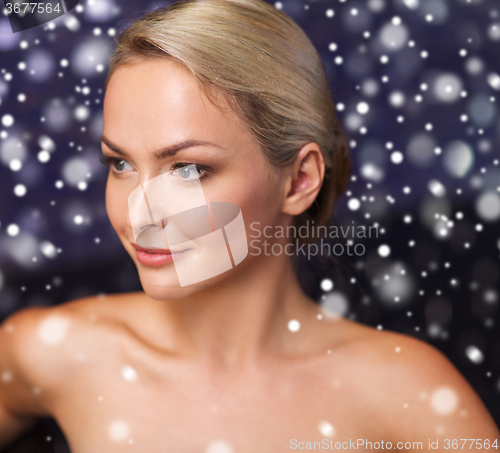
107, 160
202, 171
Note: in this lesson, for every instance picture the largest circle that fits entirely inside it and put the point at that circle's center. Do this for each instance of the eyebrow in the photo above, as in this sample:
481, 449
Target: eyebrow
162, 153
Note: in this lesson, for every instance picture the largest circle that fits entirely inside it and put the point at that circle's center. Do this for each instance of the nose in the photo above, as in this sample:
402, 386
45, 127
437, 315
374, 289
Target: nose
140, 224
147, 233
138, 215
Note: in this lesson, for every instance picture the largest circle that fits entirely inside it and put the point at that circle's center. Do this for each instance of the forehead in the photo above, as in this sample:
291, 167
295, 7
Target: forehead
155, 102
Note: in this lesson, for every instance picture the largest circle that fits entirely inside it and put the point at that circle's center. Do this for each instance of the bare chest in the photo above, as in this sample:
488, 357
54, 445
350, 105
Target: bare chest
135, 410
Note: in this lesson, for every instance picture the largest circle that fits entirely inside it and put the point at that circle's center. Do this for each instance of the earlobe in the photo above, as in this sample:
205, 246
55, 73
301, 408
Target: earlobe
306, 178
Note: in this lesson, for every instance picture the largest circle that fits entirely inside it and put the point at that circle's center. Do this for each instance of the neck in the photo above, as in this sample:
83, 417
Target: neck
235, 323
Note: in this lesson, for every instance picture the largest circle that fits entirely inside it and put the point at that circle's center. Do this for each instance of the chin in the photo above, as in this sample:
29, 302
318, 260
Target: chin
164, 293
163, 283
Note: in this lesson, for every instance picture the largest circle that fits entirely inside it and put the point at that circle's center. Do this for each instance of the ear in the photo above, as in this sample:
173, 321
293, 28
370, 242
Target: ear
304, 180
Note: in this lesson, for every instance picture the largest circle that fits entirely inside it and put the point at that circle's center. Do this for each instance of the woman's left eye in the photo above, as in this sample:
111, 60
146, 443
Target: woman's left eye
188, 172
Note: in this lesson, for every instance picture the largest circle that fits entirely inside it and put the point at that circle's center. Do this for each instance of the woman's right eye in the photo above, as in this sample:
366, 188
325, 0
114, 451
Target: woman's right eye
117, 165
120, 165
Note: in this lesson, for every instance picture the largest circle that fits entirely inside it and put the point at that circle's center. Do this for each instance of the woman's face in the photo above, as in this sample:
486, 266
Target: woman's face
153, 105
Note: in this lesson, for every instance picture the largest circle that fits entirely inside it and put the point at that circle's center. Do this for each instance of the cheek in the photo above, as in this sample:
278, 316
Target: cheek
255, 193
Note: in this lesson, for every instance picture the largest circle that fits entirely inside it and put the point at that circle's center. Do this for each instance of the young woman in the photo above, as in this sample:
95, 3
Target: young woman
224, 103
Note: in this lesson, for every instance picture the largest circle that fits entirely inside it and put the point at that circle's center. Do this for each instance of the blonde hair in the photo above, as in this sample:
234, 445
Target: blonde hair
264, 65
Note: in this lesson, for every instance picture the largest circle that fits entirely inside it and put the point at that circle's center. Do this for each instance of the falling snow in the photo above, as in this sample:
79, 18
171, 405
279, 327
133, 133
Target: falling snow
293, 325
129, 374
53, 330
444, 400
219, 446
326, 429
118, 431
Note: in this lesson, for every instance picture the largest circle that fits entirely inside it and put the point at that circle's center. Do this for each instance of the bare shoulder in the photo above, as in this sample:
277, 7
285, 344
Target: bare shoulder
410, 387
24, 366
40, 345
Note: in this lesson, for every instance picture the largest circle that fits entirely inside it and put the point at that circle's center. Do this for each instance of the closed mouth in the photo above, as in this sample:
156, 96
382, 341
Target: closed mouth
152, 251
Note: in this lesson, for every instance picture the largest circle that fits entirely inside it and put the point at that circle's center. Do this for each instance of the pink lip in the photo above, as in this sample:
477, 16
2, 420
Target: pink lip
154, 257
